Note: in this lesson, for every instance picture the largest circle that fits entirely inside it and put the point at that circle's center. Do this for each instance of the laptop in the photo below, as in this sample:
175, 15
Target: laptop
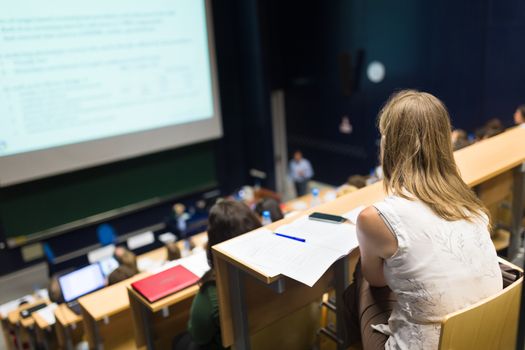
79, 283
164, 283
108, 265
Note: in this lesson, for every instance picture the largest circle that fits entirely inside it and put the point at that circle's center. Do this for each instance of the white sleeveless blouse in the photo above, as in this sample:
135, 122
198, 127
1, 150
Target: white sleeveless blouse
440, 267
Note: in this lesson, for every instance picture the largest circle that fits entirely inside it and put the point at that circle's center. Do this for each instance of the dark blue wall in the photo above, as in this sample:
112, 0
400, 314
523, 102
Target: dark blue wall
468, 53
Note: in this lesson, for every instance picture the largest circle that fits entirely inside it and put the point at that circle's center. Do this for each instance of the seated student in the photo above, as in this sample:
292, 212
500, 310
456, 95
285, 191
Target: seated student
127, 266
54, 290
358, 181
493, 127
174, 252
227, 219
459, 139
426, 248
353, 183
271, 205
519, 116
121, 273
126, 258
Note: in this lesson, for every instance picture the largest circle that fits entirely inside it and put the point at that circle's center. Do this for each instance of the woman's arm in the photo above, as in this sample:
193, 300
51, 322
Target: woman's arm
376, 243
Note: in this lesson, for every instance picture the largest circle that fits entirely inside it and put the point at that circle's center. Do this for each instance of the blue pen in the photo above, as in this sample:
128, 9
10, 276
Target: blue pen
291, 237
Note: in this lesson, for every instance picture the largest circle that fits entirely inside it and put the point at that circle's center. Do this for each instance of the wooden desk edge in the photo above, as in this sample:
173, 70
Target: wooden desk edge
41, 322
65, 316
252, 270
167, 301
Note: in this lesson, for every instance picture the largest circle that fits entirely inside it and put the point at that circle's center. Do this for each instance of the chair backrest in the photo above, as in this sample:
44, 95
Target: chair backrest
489, 324
106, 234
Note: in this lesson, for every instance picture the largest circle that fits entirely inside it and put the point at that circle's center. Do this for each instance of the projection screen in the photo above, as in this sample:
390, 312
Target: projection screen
83, 83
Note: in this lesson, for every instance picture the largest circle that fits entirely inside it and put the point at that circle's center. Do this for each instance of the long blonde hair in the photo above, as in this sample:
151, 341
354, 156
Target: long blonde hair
417, 156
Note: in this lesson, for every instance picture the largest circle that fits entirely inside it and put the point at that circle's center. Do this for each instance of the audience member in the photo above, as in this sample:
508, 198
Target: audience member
493, 127
353, 183
54, 290
428, 241
300, 172
459, 139
227, 219
519, 115
174, 252
271, 205
358, 181
126, 258
121, 273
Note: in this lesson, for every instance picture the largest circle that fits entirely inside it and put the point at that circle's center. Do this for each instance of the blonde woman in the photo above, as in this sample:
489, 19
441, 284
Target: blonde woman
428, 241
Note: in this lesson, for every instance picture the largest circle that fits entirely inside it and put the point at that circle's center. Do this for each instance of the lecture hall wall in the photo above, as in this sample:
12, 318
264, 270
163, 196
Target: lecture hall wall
469, 53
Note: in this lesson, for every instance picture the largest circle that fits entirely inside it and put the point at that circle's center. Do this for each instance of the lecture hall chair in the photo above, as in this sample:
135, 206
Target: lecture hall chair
489, 324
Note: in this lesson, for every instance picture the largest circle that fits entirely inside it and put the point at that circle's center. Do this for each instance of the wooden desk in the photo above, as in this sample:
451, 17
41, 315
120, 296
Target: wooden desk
245, 308
45, 333
24, 328
304, 202
156, 324
107, 316
68, 327
8, 332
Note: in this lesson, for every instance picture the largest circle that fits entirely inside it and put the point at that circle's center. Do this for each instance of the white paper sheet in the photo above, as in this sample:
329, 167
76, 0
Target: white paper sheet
147, 264
48, 313
306, 261
196, 263
353, 214
339, 237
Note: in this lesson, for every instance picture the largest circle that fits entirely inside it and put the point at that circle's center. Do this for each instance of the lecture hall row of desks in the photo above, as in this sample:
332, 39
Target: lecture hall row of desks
112, 320
117, 317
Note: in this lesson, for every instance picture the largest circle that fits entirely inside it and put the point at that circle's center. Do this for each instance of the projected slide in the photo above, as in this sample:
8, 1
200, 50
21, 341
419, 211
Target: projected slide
75, 71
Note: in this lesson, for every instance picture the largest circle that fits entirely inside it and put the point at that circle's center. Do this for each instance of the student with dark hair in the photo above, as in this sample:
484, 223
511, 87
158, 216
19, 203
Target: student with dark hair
493, 127
358, 181
227, 219
519, 115
126, 258
121, 273
174, 252
54, 290
271, 205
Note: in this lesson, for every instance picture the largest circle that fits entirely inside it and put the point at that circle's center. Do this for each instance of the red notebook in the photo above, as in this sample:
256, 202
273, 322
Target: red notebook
165, 283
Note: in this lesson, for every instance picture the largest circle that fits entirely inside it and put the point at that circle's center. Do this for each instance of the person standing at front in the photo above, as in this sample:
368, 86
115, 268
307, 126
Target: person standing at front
300, 172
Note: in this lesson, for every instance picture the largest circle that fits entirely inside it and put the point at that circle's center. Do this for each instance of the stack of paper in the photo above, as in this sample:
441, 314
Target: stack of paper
324, 243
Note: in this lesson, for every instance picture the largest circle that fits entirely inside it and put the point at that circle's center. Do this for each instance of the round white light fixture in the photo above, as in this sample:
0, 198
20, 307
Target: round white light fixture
376, 71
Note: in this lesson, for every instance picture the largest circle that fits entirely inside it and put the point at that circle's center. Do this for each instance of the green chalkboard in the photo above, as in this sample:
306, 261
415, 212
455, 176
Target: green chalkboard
44, 205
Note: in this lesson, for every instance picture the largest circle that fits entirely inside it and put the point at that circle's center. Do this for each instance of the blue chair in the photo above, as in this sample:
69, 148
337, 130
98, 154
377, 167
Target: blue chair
106, 234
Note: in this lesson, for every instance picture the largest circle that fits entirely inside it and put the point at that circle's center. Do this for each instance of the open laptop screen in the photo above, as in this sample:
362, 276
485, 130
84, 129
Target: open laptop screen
108, 265
81, 282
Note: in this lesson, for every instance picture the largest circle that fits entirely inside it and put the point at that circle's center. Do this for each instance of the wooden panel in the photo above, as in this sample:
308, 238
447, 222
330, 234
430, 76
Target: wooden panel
163, 328
68, 326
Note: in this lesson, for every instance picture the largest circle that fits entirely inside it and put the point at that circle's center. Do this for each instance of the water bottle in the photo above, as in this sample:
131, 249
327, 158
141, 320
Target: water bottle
315, 197
186, 248
266, 218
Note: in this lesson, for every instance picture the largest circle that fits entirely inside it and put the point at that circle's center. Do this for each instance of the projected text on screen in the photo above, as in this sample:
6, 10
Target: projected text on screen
78, 71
